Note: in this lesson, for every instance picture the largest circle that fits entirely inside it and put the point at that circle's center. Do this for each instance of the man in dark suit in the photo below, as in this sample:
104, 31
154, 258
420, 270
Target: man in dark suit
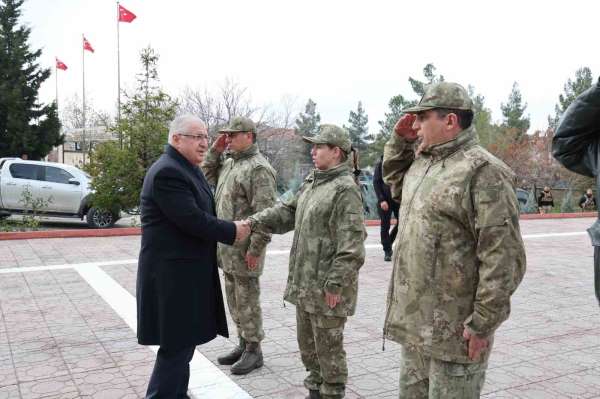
386, 207
179, 299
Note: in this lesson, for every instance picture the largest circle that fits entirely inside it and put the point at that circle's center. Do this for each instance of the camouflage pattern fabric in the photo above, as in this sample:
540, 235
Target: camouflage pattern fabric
422, 377
245, 184
243, 300
328, 246
321, 339
443, 95
458, 255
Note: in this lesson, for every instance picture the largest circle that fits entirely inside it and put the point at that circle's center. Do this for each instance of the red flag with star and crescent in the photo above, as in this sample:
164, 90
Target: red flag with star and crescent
60, 64
87, 46
125, 15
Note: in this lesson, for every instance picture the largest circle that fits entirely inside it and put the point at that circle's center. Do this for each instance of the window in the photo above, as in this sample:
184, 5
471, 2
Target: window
57, 175
27, 171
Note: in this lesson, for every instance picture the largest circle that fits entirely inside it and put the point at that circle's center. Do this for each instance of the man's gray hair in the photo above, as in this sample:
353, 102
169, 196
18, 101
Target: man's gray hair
181, 123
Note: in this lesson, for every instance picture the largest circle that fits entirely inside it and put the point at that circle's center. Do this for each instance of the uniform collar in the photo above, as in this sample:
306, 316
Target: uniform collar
466, 138
247, 153
322, 176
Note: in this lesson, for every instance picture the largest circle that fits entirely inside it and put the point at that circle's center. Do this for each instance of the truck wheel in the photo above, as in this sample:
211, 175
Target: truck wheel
100, 219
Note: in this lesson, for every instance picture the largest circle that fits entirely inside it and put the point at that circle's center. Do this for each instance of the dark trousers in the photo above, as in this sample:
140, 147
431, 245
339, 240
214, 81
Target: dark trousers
171, 373
388, 238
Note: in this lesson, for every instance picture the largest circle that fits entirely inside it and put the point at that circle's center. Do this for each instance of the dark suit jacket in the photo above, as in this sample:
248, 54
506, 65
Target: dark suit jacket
382, 190
179, 299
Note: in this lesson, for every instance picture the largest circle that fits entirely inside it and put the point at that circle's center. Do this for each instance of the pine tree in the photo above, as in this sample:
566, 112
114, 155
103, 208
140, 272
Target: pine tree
119, 173
358, 127
513, 112
430, 77
573, 88
28, 128
307, 123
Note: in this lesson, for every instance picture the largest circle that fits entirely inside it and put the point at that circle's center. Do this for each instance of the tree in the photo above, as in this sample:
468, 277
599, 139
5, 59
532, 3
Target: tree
430, 77
27, 127
482, 119
71, 115
358, 127
573, 88
307, 123
118, 173
513, 112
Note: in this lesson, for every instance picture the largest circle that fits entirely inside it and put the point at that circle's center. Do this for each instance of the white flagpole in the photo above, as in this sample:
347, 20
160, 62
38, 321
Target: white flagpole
83, 95
119, 79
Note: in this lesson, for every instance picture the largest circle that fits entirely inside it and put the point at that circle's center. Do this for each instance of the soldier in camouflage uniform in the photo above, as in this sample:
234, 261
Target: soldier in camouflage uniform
327, 252
245, 184
458, 256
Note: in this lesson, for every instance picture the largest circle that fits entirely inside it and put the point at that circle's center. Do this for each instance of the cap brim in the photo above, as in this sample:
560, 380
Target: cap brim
313, 140
227, 130
416, 110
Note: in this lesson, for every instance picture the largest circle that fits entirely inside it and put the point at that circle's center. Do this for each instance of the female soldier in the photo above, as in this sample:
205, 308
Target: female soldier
327, 252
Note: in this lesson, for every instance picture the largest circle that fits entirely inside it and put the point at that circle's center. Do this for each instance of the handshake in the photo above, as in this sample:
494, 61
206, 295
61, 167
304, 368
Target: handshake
242, 229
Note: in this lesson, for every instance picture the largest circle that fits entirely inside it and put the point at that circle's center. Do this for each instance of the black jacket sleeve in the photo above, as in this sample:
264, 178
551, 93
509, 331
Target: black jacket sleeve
174, 197
577, 140
378, 183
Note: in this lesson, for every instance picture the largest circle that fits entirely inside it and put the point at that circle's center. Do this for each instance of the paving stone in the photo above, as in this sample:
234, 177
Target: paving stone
549, 346
57, 387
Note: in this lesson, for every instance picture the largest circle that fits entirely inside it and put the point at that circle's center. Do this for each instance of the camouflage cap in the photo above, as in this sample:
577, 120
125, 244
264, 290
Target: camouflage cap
331, 134
443, 95
240, 124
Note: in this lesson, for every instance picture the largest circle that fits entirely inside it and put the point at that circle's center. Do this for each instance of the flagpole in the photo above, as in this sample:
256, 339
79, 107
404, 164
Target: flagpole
56, 79
119, 80
83, 95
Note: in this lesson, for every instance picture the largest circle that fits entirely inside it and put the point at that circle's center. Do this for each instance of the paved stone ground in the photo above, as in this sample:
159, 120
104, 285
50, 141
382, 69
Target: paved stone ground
60, 339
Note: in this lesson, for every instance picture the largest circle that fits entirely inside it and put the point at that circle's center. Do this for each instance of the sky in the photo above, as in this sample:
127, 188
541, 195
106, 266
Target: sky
335, 52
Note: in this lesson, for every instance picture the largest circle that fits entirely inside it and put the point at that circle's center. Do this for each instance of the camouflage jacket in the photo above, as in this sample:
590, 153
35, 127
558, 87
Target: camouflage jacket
245, 184
328, 247
459, 255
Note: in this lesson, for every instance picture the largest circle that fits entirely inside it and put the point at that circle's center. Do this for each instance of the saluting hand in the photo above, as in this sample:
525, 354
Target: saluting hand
219, 144
403, 127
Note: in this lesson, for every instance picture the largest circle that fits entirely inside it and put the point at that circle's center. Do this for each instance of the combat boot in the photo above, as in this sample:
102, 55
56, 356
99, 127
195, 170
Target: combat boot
234, 355
251, 359
313, 394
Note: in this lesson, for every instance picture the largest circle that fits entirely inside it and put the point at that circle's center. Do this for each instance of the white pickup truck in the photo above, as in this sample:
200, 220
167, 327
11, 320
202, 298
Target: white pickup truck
64, 190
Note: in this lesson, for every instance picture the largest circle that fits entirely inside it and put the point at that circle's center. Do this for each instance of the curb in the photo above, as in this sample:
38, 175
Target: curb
574, 215
133, 231
27, 235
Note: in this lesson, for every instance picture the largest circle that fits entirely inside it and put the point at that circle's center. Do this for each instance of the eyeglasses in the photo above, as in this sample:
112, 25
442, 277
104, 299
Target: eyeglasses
195, 137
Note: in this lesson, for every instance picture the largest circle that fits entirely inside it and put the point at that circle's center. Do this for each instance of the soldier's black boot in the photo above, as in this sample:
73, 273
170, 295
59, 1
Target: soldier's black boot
251, 359
234, 355
313, 394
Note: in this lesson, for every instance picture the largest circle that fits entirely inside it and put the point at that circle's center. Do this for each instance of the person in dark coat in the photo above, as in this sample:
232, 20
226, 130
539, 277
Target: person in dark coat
386, 207
576, 145
179, 299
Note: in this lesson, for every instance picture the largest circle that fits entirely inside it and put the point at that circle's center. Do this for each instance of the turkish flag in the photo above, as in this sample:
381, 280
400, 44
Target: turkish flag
87, 46
125, 15
60, 64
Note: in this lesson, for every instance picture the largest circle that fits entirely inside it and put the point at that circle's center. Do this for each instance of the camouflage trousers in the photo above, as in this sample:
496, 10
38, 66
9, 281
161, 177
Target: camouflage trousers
321, 343
422, 377
243, 300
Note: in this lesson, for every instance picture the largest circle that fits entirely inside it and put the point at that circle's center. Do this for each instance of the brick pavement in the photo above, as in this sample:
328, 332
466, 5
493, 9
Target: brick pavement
60, 339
